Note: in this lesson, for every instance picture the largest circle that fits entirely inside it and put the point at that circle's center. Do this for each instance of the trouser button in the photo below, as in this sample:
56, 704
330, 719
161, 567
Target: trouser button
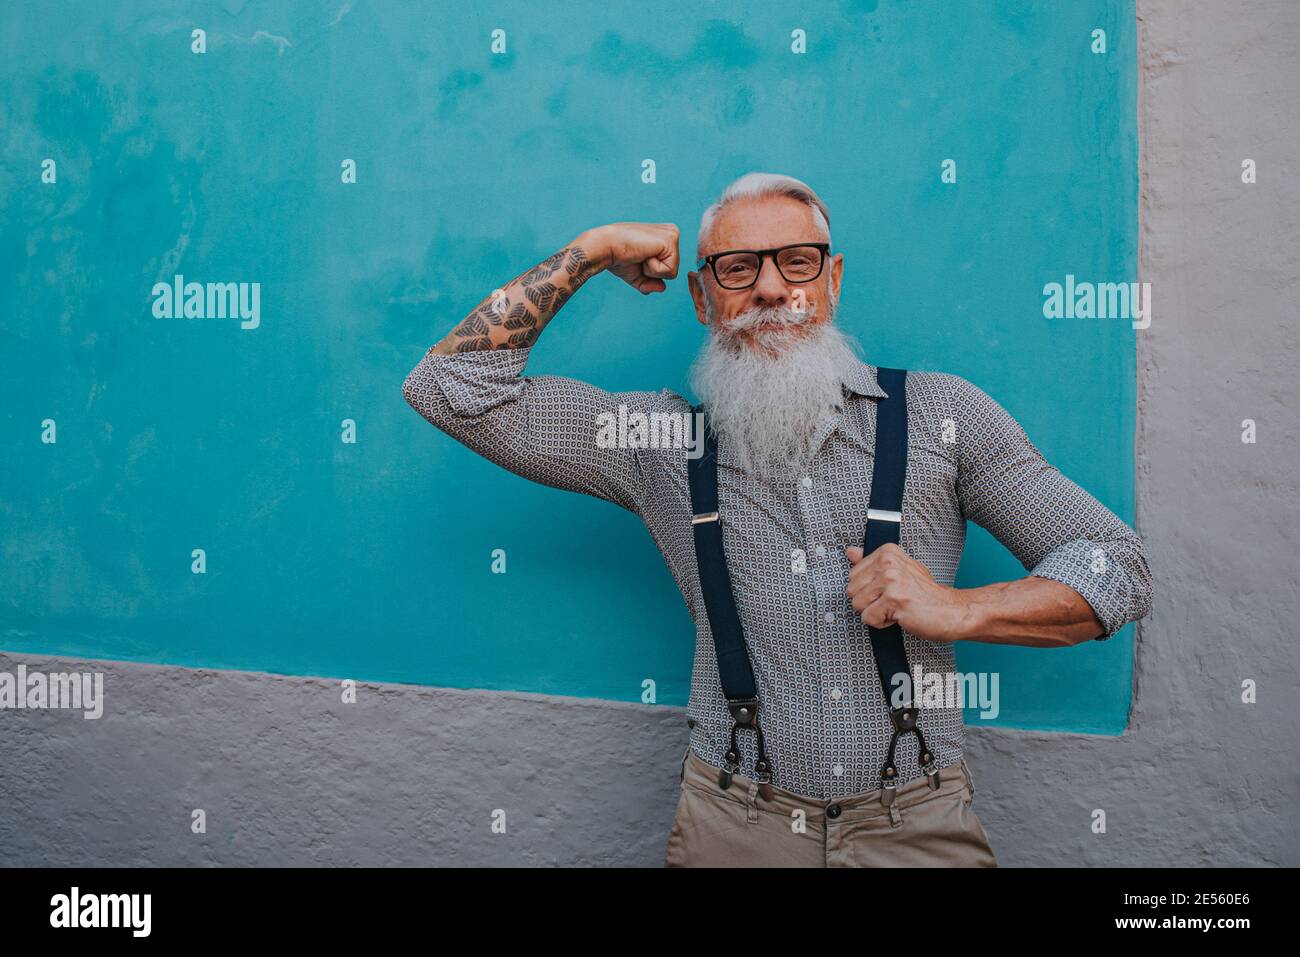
833, 811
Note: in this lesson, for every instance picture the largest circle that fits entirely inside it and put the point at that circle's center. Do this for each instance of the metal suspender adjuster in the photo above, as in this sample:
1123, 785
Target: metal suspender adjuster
904, 721
745, 713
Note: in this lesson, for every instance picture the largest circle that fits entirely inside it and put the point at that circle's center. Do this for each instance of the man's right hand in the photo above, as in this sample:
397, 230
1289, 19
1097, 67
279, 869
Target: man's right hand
643, 255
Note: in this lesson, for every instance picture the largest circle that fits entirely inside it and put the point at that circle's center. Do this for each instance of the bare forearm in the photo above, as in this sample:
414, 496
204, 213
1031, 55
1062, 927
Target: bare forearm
1031, 611
515, 315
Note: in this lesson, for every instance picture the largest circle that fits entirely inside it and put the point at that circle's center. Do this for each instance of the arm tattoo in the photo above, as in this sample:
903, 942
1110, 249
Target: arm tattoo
514, 316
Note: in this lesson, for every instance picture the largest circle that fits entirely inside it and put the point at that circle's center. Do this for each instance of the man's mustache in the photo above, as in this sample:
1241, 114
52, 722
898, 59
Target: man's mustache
770, 316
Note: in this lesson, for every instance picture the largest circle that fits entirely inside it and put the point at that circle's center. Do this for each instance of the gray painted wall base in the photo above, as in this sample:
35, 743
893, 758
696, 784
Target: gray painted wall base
289, 775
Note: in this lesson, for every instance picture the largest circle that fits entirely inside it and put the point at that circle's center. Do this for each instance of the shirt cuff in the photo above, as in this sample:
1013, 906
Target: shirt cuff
474, 382
1086, 567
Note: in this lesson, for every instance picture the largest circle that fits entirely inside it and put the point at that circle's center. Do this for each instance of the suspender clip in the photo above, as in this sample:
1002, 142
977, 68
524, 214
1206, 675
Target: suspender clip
731, 764
763, 775
745, 713
904, 721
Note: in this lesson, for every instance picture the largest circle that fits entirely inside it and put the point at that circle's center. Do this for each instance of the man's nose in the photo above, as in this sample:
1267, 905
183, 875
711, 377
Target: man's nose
771, 288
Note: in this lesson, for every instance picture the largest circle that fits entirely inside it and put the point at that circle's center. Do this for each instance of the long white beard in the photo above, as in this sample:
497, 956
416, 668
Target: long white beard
765, 404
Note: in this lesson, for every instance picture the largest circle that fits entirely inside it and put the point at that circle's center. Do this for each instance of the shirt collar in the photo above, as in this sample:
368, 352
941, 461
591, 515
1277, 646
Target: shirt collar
861, 379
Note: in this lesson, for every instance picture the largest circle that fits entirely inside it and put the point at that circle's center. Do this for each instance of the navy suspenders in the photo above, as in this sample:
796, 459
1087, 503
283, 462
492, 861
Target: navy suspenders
884, 521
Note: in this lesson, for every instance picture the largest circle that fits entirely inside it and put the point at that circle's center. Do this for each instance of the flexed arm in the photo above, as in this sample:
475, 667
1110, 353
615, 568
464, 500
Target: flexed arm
544, 427
641, 254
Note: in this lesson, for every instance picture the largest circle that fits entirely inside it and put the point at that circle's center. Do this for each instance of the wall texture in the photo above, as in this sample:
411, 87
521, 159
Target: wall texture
411, 775
373, 559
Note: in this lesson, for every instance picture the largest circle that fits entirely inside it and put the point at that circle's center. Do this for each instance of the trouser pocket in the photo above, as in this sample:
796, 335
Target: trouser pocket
673, 856
970, 783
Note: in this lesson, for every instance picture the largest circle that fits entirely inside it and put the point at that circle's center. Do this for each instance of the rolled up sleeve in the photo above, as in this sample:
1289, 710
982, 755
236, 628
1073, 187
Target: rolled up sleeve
543, 428
1053, 527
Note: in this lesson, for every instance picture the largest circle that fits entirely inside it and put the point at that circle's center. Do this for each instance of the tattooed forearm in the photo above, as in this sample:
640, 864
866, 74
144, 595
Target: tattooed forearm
513, 317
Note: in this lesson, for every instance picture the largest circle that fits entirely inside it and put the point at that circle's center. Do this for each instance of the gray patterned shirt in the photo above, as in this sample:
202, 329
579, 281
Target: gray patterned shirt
823, 713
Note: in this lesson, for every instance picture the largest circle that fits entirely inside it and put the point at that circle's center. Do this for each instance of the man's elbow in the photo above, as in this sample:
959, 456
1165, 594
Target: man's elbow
1139, 575
1145, 589
420, 394
1121, 559
409, 391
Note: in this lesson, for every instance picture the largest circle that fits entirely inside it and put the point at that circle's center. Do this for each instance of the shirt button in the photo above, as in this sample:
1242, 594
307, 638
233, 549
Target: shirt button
838, 770
830, 617
821, 550
833, 811
837, 694
807, 482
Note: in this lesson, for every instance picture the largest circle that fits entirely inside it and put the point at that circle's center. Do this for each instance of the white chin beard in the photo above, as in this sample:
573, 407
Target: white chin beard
765, 404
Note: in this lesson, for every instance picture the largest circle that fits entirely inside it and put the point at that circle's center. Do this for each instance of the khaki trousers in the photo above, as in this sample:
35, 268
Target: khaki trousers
737, 828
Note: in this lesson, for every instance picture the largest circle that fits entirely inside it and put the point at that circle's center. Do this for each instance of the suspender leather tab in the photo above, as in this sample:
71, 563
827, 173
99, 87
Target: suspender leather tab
744, 711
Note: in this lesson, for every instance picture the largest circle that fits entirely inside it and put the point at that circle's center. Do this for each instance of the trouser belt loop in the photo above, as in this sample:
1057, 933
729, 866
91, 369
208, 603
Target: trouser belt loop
752, 802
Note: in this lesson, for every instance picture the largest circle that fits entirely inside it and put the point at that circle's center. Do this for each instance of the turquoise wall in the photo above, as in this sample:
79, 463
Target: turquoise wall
372, 560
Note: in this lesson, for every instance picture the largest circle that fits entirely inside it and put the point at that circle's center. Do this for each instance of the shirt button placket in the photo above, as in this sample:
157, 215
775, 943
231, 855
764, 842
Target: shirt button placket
824, 634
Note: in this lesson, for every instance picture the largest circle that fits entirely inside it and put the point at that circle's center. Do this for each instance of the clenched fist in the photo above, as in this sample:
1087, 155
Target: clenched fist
643, 255
891, 586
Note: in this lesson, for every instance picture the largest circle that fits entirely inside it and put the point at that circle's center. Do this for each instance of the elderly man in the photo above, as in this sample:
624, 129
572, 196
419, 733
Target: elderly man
808, 745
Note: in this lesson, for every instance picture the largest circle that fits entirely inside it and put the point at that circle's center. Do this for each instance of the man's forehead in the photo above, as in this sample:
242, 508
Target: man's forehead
761, 223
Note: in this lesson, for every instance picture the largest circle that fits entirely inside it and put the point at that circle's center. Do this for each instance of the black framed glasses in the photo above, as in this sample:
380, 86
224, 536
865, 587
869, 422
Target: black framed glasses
739, 268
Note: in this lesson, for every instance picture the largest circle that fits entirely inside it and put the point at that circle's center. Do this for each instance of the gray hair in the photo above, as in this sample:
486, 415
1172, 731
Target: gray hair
766, 184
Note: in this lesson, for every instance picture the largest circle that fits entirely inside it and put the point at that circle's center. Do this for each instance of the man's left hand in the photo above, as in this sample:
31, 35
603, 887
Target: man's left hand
890, 586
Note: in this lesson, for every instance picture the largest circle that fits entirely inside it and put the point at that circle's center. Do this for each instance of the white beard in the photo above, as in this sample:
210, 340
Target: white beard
766, 408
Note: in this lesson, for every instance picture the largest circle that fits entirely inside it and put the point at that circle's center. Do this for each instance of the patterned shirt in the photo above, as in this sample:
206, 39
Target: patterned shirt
823, 713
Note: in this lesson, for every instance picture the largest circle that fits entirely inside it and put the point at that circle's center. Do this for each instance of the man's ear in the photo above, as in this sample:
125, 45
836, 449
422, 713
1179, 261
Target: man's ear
697, 296
837, 275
